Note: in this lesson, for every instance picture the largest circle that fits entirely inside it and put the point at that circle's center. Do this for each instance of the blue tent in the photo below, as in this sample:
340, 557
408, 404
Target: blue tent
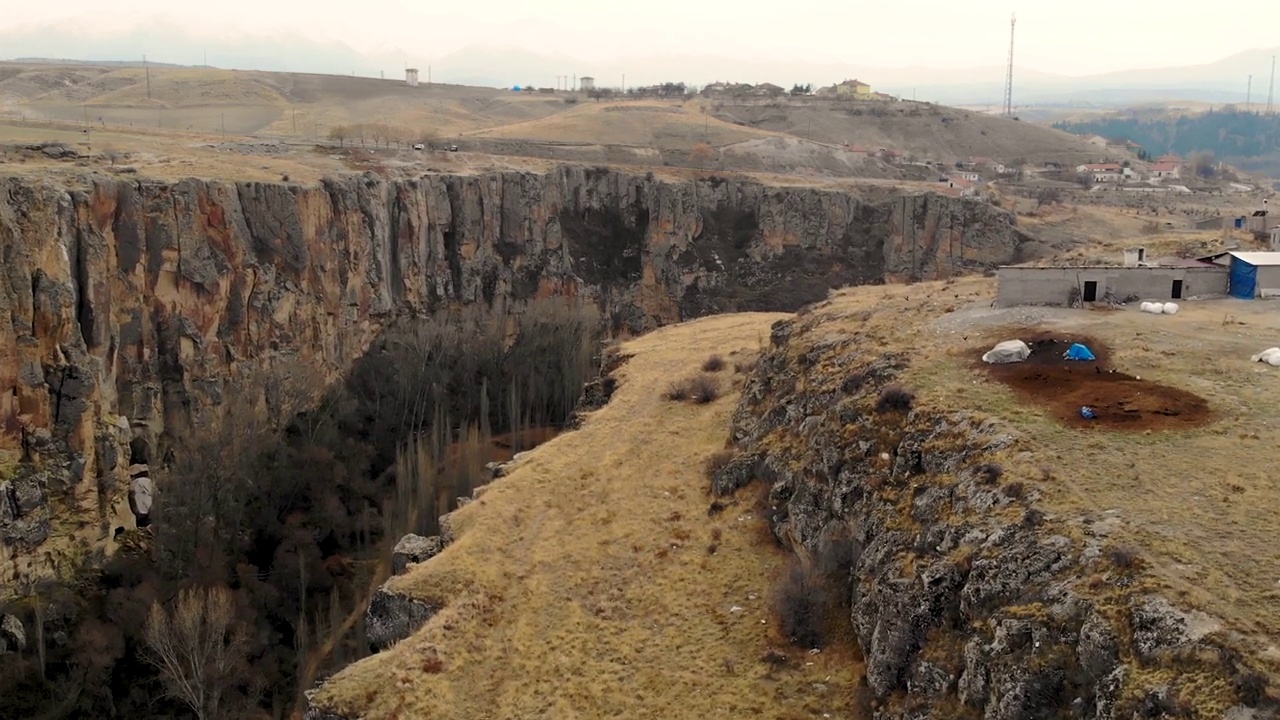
1243, 279
1079, 352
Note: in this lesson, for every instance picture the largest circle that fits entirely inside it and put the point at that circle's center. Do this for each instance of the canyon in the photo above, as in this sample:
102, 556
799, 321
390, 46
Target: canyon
128, 306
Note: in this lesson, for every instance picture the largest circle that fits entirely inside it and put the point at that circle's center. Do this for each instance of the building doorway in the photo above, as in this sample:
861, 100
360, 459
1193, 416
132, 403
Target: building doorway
1176, 293
1090, 290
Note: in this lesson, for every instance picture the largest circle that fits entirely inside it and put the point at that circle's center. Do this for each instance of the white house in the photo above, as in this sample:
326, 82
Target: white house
1163, 170
967, 175
1102, 172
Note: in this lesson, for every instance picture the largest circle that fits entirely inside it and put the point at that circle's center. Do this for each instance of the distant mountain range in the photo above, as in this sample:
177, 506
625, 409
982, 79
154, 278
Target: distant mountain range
1219, 82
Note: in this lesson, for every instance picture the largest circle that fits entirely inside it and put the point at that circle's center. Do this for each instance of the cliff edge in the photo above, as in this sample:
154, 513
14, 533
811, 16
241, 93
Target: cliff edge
126, 306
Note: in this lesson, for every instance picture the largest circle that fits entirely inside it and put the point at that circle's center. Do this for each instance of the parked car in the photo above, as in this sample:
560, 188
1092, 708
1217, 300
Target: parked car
453, 148
419, 146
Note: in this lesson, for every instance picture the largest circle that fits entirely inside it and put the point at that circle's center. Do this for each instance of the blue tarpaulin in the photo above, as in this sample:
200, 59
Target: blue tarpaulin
1087, 413
1079, 352
1243, 279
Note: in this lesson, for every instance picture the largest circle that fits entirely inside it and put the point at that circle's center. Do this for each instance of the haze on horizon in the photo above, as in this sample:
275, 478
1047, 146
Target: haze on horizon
1085, 37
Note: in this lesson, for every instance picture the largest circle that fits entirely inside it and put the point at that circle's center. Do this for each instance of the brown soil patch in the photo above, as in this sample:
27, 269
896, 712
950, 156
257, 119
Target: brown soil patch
1119, 400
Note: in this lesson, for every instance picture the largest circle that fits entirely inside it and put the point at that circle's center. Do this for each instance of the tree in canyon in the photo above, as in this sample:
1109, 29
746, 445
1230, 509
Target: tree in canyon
200, 649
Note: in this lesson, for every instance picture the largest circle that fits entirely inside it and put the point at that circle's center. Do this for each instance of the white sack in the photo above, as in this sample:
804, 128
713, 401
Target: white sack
1008, 351
1171, 308
1270, 356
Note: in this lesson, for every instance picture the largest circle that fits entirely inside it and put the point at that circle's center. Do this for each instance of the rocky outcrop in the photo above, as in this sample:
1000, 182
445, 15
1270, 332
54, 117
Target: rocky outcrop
965, 599
126, 305
392, 617
414, 549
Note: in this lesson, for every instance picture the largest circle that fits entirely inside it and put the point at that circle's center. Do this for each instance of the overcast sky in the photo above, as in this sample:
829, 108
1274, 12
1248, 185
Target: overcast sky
1075, 37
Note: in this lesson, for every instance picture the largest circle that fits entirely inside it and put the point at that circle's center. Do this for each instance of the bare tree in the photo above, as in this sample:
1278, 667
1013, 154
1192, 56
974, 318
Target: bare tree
701, 154
340, 133
199, 647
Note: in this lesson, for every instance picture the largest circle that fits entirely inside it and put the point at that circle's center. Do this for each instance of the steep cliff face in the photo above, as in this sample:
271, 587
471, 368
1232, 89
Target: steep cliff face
966, 600
125, 306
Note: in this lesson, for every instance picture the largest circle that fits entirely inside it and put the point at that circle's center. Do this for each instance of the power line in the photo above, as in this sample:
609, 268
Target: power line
1008, 78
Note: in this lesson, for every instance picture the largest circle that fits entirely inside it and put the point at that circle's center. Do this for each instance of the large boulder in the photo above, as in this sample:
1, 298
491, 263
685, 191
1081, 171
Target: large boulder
392, 617
414, 549
13, 637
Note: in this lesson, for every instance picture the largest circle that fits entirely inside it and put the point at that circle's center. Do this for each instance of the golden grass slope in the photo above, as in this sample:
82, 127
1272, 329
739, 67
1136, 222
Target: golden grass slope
582, 585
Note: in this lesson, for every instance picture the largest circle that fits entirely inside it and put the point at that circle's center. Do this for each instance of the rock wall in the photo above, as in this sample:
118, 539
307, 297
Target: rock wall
966, 600
126, 306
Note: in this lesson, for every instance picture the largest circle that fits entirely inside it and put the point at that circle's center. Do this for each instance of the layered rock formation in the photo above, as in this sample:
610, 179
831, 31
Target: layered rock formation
966, 600
126, 306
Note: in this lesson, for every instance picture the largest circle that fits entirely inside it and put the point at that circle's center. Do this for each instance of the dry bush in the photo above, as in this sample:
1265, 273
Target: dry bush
717, 462
895, 398
715, 363
1015, 490
990, 473
1124, 557
812, 597
699, 389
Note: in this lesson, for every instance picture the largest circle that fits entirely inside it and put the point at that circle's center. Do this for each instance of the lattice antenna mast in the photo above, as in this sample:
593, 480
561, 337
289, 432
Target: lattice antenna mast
1272, 88
1008, 77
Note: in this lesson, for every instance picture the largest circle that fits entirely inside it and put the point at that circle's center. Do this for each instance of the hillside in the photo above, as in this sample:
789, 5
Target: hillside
921, 129
1249, 139
761, 137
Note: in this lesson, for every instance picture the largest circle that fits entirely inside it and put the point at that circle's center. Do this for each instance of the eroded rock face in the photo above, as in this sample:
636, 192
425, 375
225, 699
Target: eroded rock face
126, 306
392, 617
965, 600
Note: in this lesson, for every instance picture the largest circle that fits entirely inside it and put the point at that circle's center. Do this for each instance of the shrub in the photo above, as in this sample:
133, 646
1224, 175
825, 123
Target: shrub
715, 363
853, 383
1015, 490
717, 462
990, 473
812, 597
799, 602
715, 508
699, 389
895, 398
1124, 557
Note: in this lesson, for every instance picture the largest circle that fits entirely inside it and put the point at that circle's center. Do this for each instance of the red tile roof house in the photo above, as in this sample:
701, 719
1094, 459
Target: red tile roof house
1165, 169
959, 187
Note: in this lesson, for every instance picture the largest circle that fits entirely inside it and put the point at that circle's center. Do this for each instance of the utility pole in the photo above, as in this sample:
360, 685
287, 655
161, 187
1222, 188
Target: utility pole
1272, 87
1008, 78
147, 69
1248, 95
295, 121
575, 82
624, 83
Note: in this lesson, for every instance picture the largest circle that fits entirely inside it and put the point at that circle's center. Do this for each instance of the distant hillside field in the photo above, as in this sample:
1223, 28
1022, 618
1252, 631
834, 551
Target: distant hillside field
794, 136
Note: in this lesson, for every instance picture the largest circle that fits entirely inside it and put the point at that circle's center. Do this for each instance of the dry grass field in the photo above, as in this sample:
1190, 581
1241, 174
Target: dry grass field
591, 582
582, 585
1198, 502
197, 105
